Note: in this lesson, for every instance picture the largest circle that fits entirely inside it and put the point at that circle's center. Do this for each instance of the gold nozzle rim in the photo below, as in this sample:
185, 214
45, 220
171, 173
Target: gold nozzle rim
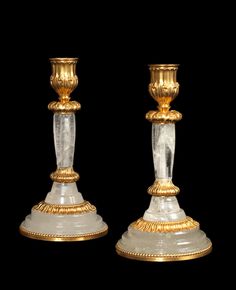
63, 59
163, 66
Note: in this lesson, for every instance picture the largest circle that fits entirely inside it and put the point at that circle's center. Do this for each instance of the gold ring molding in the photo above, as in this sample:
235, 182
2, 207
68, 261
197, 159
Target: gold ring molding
63, 238
64, 108
163, 188
163, 117
64, 175
163, 258
64, 60
58, 209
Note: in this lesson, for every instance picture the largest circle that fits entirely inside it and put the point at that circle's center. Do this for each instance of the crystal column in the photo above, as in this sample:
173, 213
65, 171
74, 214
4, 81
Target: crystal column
64, 130
163, 148
163, 208
64, 139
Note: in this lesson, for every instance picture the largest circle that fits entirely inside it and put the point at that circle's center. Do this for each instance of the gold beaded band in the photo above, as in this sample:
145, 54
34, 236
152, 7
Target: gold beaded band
164, 257
63, 238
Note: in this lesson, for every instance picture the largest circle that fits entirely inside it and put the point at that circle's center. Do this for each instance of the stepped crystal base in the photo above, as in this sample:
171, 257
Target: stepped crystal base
164, 233
160, 247
63, 216
67, 227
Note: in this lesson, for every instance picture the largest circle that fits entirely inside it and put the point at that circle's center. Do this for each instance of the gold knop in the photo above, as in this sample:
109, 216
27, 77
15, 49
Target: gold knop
64, 108
163, 187
64, 175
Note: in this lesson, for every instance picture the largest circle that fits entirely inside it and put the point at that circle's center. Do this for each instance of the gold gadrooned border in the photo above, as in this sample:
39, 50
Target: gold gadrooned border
65, 175
159, 117
80, 208
163, 188
64, 108
165, 227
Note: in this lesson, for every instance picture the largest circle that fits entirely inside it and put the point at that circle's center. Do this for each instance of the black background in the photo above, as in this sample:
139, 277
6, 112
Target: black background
113, 147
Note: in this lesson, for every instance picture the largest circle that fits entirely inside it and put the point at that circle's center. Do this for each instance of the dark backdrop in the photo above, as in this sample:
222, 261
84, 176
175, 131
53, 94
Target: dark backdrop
113, 145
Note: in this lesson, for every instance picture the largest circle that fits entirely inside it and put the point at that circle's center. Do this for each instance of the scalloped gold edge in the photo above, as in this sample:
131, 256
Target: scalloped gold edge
164, 227
62, 238
66, 60
163, 258
64, 107
155, 66
59, 209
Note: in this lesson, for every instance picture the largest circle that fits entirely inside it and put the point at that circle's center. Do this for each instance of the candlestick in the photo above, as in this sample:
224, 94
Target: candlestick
64, 215
164, 233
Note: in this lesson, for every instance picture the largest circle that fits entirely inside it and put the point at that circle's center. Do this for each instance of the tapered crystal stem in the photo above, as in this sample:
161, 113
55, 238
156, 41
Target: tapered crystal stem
163, 147
64, 139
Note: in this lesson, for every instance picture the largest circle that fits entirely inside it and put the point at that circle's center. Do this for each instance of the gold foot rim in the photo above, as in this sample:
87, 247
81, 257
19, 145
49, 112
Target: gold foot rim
163, 258
62, 238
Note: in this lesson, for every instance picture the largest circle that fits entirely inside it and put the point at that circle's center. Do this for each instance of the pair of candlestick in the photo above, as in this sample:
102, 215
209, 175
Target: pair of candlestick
164, 233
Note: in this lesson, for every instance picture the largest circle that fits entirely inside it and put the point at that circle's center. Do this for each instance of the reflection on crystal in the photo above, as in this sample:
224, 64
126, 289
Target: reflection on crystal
64, 139
164, 209
164, 243
64, 224
64, 193
163, 146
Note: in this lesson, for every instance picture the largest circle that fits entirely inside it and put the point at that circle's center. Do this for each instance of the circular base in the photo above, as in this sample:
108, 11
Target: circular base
53, 222
162, 258
63, 238
161, 243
